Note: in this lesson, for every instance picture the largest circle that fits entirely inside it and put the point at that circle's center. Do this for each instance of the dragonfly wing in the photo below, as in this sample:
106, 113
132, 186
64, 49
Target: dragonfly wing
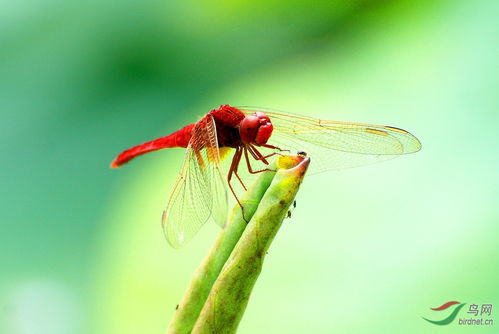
199, 191
338, 145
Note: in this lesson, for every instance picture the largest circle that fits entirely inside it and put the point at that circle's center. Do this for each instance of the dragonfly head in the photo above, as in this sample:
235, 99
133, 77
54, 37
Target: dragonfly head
255, 128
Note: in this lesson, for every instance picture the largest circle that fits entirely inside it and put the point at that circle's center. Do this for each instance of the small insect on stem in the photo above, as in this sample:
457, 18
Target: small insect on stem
289, 211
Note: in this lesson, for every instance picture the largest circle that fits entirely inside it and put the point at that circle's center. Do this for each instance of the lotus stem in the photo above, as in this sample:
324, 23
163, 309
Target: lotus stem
219, 291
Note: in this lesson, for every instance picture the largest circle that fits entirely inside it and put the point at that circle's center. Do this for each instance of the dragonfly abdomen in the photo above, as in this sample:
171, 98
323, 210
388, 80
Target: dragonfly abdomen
179, 138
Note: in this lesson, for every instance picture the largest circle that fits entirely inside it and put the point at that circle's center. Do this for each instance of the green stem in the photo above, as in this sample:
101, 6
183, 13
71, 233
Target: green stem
202, 281
270, 196
229, 295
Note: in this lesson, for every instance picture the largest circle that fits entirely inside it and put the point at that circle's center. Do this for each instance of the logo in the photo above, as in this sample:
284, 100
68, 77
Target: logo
485, 311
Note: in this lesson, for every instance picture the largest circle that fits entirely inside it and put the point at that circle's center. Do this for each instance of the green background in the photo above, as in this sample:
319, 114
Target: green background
368, 250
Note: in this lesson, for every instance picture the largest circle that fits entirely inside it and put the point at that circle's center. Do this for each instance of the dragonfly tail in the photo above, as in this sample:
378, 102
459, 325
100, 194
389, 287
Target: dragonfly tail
179, 138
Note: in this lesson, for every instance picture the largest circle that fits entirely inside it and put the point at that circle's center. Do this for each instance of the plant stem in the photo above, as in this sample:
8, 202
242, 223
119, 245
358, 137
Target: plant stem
230, 293
202, 281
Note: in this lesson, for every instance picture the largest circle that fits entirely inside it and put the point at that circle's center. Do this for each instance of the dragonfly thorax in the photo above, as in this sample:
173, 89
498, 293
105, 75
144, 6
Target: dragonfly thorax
255, 129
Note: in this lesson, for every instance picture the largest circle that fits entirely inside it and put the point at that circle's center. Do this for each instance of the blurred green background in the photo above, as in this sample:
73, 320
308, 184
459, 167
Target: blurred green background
368, 250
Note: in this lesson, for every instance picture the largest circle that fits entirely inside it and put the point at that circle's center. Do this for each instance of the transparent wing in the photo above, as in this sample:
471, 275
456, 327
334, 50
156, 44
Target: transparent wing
337, 145
200, 190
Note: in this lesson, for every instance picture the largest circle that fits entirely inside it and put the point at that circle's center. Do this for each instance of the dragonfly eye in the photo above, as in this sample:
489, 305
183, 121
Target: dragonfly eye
255, 129
264, 132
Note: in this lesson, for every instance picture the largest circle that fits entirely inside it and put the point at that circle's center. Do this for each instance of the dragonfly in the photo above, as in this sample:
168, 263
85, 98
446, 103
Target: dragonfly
230, 144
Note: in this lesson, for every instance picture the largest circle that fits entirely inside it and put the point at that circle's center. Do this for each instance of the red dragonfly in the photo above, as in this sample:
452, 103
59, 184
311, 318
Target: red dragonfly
218, 142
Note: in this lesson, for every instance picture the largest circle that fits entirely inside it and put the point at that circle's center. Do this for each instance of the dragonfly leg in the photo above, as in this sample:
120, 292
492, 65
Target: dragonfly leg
275, 148
250, 169
233, 170
236, 166
240, 181
258, 156
268, 155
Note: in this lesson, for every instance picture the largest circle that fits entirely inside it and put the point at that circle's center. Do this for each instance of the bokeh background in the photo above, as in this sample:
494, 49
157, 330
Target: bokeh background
368, 250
